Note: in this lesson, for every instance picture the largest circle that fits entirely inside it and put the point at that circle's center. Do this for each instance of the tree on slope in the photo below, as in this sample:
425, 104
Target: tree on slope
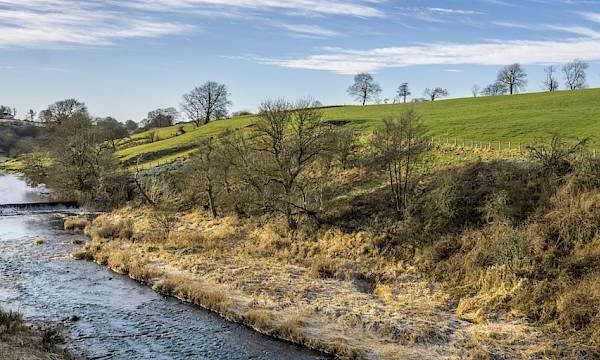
496, 88
550, 82
514, 77
364, 88
437, 93
403, 91
575, 74
62, 110
160, 118
207, 102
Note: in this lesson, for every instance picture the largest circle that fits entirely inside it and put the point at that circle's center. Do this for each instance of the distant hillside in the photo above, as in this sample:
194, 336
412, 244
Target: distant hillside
519, 119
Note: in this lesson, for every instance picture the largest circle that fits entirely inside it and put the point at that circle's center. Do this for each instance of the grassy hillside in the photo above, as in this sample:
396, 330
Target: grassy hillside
517, 119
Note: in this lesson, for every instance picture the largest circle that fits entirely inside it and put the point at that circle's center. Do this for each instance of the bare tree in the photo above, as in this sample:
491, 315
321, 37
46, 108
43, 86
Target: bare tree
496, 88
109, 129
398, 144
31, 115
279, 156
160, 118
434, 94
62, 110
476, 90
575, 74
207, 102
364, 88
514, 77
345, 144
404, 91
83, 166
203, 169
550, 82
131, 126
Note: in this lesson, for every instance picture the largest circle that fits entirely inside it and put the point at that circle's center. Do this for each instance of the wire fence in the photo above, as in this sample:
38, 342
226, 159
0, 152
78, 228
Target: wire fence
511, 146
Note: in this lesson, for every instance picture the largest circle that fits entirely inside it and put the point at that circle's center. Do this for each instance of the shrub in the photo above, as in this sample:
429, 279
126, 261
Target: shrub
558, 156
9, 321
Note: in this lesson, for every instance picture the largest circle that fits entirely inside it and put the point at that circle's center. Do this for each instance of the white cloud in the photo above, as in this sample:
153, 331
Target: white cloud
349, 61
357, 8
47, 23
60, 23
305, 30
454, 11
513, 25
579, 30
591, 16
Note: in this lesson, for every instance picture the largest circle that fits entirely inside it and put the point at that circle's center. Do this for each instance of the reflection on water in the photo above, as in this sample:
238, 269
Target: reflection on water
118, 318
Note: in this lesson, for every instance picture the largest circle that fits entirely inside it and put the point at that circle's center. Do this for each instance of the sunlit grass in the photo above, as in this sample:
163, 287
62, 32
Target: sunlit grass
518, 120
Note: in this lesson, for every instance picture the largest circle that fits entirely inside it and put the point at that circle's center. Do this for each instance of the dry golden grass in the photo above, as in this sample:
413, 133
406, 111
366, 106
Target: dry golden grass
496, 261
76, 224
278, 292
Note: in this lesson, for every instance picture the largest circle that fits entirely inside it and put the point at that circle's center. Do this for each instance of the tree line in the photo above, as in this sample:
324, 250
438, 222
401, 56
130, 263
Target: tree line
211, 100
511, 79
280, 166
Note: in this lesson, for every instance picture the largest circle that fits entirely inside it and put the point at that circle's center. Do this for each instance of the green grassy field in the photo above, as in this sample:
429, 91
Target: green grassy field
518, 119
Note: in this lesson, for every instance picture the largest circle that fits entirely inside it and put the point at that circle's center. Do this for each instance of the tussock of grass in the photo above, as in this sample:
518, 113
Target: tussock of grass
10, 321
75, 224
114, 229
19, 341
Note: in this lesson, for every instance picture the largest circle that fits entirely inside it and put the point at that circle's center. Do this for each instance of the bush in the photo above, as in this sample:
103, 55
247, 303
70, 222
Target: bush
9, 321
558, 156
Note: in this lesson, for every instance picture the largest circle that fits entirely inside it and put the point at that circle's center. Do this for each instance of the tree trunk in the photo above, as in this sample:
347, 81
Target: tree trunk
291, 222
211, 202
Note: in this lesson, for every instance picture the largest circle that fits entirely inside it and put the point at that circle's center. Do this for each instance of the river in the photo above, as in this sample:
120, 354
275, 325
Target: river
117, 317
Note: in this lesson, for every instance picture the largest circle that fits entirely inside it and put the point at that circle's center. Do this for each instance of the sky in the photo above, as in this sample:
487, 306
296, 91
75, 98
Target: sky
124, 58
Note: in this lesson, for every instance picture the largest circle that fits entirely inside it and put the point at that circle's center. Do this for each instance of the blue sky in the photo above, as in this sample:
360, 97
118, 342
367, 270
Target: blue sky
125, 58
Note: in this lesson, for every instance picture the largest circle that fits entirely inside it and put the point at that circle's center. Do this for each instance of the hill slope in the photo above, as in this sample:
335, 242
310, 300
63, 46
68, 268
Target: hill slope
517, 119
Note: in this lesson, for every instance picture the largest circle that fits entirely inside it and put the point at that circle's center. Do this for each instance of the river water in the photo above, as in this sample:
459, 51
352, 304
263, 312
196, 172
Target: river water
118, 318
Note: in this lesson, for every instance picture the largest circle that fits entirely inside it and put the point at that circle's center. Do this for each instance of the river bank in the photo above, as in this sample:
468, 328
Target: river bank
104, 315
244, 271
19, 341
